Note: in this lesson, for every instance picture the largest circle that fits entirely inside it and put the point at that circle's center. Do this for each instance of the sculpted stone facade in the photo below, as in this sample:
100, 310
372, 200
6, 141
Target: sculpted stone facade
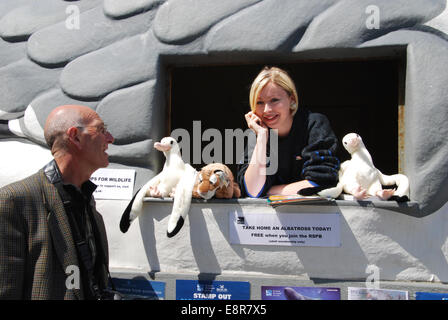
109, 55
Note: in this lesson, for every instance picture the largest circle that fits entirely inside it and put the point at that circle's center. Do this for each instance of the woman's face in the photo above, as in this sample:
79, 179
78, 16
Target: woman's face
273, 106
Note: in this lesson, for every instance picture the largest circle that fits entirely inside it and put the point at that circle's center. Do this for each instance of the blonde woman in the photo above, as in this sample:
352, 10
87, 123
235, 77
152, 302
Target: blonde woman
306, 145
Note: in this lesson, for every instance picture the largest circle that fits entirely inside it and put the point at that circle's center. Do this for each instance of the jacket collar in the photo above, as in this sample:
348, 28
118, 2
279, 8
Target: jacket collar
53, 174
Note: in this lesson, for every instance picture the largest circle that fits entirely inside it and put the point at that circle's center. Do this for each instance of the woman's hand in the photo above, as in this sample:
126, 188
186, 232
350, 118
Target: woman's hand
255, 123
255, 176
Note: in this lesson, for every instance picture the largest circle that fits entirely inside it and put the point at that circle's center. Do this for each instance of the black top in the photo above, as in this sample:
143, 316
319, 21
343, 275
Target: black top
80, 199
306, 153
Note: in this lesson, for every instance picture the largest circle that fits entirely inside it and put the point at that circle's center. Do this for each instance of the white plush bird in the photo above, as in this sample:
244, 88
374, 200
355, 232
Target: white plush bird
360, 178
176, 179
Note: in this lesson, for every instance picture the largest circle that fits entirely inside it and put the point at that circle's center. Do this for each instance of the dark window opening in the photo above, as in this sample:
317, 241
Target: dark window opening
361, 96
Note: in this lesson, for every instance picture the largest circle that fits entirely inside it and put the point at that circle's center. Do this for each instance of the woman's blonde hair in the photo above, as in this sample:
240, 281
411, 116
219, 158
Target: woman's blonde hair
277, 76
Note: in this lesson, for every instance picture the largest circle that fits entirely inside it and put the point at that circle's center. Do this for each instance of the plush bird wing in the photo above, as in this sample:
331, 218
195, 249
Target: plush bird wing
135, 207
182, 201
125, 221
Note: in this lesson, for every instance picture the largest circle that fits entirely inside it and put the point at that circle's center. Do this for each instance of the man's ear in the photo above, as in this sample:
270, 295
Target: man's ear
73, 137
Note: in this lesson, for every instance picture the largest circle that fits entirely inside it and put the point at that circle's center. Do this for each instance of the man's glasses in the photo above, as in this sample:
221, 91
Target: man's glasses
101, 129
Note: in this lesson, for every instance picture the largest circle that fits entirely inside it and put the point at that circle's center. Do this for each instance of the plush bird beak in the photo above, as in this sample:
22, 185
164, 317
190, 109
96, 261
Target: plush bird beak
162, 147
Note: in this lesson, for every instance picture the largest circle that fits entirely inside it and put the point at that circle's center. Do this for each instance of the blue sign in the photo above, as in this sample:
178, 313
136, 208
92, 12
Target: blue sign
212, 290
299, 293
431, 296
140, 288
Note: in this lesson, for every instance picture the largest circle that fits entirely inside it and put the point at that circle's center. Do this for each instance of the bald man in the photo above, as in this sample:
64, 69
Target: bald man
53, 242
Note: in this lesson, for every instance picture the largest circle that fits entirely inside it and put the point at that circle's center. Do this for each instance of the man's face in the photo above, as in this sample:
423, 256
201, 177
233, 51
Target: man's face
95, 140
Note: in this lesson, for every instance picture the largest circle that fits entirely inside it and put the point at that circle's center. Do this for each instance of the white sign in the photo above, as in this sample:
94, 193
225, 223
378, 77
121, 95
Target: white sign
117, 184
355, 293
285, 229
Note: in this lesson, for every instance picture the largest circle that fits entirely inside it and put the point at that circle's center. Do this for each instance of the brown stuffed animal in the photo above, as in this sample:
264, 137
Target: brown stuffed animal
216, 179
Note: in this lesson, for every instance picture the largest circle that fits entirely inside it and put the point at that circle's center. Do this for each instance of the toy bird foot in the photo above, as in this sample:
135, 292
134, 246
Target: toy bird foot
359, 193
385, 193
154, 192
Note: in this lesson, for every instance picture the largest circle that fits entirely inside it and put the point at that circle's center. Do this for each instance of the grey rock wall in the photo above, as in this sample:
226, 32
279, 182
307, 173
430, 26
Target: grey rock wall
112, 63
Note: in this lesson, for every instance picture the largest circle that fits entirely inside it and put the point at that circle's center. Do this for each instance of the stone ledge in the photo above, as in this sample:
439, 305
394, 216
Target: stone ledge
396, 243
408, 208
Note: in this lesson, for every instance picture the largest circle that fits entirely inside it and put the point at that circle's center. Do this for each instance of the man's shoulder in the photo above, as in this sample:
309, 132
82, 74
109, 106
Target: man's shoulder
22, 187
